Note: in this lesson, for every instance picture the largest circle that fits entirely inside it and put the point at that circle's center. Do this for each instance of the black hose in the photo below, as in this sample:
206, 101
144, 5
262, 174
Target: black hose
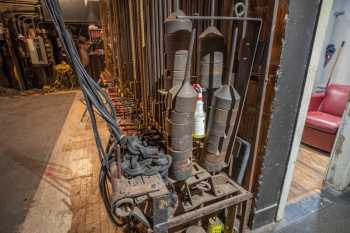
97, 99
92, 91
104, 193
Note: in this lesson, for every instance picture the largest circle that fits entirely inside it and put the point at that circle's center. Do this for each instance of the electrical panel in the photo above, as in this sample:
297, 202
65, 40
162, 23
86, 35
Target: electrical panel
36, 49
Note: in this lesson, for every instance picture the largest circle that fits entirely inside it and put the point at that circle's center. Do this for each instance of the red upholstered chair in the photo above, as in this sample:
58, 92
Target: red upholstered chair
324, 116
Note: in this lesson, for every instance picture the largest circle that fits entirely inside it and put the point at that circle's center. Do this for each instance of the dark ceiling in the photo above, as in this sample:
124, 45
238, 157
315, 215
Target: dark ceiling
73, 10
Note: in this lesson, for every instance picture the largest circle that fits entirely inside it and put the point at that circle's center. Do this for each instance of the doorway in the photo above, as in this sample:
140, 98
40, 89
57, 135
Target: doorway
308, 165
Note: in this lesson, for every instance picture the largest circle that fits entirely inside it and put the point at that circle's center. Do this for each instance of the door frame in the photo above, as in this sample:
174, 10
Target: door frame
317, 53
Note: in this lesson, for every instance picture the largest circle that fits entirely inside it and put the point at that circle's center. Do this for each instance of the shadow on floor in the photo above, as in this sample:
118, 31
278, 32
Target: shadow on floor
29, 128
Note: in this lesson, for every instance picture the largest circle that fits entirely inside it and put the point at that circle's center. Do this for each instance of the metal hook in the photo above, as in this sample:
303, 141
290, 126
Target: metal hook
240, 9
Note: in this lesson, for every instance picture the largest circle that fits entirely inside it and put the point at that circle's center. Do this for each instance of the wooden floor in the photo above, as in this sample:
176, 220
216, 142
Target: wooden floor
68, 198
309, 173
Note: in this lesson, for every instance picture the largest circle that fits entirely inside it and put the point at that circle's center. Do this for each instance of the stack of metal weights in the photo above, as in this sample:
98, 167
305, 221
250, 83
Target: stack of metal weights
223, 112
180, 125
211, 58
177, 38
222, 117
212, 47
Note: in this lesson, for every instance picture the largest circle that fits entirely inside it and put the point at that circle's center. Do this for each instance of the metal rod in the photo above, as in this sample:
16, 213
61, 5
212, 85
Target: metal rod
169, 8
195, 17
243, 100
189, 57
133, 49
212, 12
232, 56
177, 5
244, 32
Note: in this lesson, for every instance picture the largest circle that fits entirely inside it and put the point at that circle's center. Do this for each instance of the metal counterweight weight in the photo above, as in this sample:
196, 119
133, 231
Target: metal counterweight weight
181, 123
223, 112
177, 37
212, 48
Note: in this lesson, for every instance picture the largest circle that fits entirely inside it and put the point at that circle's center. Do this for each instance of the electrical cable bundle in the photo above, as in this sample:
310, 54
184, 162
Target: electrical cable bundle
140, 159
93, 93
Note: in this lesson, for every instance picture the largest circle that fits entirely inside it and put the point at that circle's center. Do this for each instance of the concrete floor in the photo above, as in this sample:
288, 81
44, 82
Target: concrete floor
29, 129
67, 198
49, 167
327, 212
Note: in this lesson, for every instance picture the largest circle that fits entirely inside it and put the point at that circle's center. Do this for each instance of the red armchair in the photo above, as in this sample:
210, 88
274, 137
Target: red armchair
324, 116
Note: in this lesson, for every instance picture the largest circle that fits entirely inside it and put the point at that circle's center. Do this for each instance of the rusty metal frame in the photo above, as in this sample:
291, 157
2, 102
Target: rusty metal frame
243, 199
